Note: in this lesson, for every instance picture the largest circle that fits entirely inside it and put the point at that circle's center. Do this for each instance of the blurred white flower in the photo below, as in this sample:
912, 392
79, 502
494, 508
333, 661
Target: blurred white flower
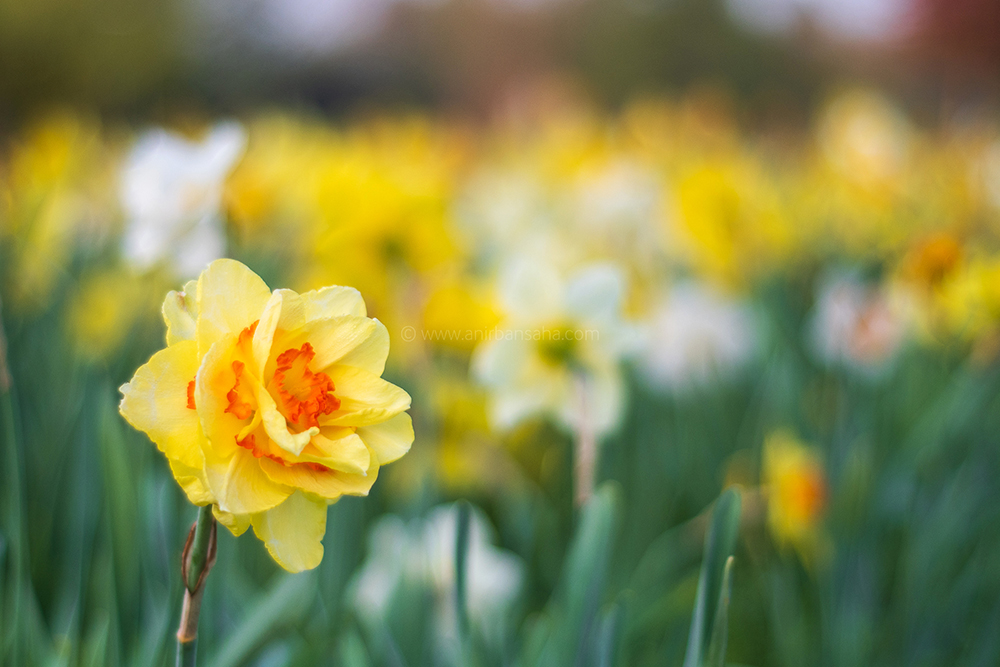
856, 324
494, 576
505, 211
618, 209
422, 553
611, 209
865, 137
697, 336
559, 349
171, 191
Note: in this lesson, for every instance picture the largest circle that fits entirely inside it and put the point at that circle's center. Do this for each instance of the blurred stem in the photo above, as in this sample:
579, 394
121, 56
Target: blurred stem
585, 444
461, 576
196, 561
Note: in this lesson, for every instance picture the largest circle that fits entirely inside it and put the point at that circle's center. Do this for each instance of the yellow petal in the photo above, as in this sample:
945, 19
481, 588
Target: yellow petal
192, 481
346, 340
231, 297
333, 301
293, 532
293, 310
180, 312
389, 440
299, 309
155, 401
277, 426
264, 335
347, 454
236, 523
215, 379
240, 485
329, 484
365, 398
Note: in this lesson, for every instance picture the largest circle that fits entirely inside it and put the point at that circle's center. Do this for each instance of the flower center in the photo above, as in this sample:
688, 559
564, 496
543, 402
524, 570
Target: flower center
304, 395
558, 346
804, 495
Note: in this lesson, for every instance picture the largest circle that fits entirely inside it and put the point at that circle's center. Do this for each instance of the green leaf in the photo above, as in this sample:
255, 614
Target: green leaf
282, 605
352, 650
573, 611
610, 634
720, 629
461, 569
720, 542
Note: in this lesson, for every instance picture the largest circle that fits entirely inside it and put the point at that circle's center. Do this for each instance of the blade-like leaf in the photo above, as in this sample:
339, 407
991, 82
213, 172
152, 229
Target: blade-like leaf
716, 656
573, 612
282, 605
720, 542
461, 568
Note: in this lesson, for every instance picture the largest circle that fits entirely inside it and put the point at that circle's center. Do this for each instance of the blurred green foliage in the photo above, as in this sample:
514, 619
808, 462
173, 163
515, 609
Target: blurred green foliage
93, 525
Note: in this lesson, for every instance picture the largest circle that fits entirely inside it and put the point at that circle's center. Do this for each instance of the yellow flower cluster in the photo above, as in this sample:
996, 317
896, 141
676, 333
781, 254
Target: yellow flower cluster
56, 190
419, 214
643, 232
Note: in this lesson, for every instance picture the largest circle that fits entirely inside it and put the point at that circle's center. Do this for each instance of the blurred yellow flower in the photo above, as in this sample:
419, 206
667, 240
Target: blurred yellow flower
384, 191
270, 406
968, 302
795, 482
730, 220
102, 311
51, 192
458, 316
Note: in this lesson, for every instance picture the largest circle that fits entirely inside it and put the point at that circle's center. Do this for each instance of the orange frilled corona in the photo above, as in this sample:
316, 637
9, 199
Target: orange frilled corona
270, 406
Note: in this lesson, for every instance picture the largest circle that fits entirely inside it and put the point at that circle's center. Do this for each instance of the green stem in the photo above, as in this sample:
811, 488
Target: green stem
187, 653
199, 556
203, 530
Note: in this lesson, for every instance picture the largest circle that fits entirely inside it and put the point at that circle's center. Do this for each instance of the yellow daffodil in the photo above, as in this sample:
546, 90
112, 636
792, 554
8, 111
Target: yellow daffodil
103, 310
730, 222
53, 198
270, 406
457, 315
797, 495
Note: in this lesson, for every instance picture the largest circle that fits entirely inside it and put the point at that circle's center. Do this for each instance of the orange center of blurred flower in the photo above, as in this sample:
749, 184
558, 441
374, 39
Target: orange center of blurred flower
934, 260
304, 395
804, 495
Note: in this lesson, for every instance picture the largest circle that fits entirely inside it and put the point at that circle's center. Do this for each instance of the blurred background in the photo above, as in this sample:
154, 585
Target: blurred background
779, 219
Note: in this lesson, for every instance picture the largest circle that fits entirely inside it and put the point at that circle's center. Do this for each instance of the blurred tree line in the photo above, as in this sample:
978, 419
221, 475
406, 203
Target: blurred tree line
130, 58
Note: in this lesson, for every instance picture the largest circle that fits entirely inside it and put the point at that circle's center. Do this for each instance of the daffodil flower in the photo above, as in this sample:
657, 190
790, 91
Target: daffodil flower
421, 552
796, 486
859, 326
171, 191
695, 337
558, 355
560, 331
270, 406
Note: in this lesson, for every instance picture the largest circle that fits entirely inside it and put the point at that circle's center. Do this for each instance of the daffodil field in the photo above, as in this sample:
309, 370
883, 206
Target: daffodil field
507, 393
